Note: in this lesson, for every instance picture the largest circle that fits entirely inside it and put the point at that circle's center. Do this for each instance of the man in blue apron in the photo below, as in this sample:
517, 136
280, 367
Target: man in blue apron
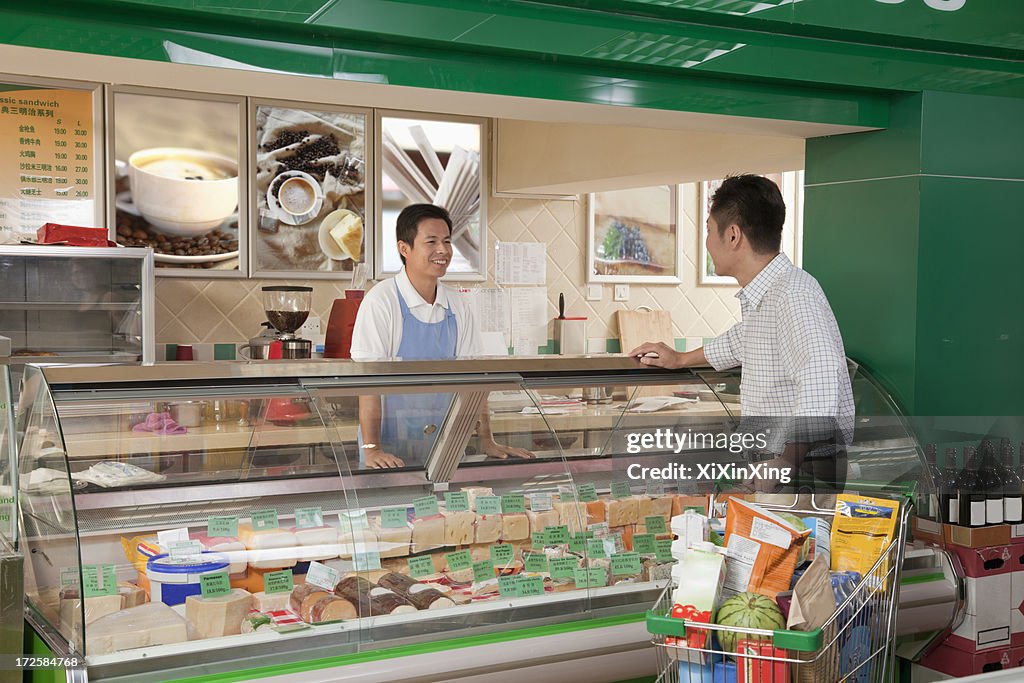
414, 316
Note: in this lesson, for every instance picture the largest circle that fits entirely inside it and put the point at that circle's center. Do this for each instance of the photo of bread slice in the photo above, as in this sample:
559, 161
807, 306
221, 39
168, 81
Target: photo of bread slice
341, 235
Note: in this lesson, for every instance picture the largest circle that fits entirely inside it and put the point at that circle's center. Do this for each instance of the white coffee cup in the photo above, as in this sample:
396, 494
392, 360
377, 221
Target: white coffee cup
182, 191
297, 196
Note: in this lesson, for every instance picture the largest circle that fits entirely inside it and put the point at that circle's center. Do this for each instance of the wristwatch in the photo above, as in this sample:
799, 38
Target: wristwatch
368, 446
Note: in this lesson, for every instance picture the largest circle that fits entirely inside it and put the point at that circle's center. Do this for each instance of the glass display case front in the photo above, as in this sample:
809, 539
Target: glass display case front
192, 517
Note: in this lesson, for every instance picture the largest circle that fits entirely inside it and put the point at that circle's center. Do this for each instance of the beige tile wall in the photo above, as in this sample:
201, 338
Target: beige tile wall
196, 311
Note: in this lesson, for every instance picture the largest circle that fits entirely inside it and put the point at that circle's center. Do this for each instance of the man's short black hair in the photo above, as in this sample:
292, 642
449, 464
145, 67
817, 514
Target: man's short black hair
409, 222
755, 204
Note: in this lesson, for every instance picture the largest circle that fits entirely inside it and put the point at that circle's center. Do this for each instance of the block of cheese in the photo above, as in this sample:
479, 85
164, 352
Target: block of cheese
622, 511
131, 595
660, 506
596, 512
474, 492
348, 235
317, 543
231, 548
219, 615
459, 527
680, 503
95, 608
360, 540
572, 515
542, 520
488, 528
393, 542
153, 623
480, 551
627, 535
269, 548
427, 533
270, 602
515, 527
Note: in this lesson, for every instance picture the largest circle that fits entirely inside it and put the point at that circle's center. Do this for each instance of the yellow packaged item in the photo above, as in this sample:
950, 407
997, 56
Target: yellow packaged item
138, 550
862, 529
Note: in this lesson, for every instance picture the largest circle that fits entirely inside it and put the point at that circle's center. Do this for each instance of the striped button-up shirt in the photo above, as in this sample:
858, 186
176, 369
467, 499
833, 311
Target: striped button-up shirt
789, 345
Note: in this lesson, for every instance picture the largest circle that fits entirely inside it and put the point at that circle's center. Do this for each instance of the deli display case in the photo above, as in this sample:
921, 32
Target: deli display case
194, 520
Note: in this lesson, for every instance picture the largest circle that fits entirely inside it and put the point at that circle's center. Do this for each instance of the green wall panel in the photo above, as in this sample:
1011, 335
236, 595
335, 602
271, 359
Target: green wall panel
973, 137
860, 242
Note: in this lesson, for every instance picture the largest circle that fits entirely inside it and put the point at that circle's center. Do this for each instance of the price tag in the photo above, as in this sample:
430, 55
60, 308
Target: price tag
589, 578
100, 579
655, 525
586, 493
613, 543
456, 501
567, 494
599, 530
278, 582
655, 488
537, 540
185, 549
620, 489
264, 519
563, 567
540, 502
488, 505
595, 548
625, 564
513, 503
501, 555
536, 562
663, 550
483, 570
425, 506
355, 519
421, 566
460, 560
166, 538
530, 585
556, 535
644, 544
508, 586
366, 560
214, 584
394, 518
222, 525
69, 576
578, 541
308, 518
322, 575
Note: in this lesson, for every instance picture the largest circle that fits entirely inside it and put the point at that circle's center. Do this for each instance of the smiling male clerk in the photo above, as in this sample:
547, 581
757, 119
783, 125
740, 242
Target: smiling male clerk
414, 316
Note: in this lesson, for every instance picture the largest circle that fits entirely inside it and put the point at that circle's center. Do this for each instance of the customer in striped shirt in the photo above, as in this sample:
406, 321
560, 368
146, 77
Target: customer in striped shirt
788, 343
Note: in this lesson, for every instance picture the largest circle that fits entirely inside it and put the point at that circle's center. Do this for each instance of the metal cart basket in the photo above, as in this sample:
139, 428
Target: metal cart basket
855, 644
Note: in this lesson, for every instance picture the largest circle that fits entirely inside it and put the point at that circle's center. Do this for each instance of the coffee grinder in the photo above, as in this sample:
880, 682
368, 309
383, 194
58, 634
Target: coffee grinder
287, 308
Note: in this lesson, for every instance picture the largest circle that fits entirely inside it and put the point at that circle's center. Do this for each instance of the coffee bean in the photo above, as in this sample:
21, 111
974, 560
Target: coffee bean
124, 231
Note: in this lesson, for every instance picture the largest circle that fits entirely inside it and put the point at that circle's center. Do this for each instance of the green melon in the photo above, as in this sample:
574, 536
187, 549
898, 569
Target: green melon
799, 525
747, 610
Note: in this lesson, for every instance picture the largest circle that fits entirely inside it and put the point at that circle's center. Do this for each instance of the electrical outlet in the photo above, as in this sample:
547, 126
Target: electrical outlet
310, 329
622, 292
595, 292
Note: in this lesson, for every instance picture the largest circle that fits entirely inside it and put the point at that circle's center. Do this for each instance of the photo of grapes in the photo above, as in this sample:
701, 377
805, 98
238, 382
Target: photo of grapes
634, 235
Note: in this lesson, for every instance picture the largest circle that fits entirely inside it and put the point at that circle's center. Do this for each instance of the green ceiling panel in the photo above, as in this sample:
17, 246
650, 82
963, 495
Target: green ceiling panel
395, 18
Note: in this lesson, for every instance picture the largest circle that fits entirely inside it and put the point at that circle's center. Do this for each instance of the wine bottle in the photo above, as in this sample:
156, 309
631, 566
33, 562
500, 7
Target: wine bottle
990, 483
972, 497
1013, 487
949, 500
930, 499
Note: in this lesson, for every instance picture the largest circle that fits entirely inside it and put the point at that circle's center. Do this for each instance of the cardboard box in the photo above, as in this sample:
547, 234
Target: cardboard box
1017, 534
976, 635
1016, 612
982, 562
954, 662
751, 670
980, 537
926, 530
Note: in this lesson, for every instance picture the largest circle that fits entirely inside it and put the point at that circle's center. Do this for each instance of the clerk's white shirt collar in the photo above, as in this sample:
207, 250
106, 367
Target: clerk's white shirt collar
413, 298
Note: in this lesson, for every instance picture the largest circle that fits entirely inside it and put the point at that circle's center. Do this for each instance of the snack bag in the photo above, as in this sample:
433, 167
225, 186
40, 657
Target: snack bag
763, 549
138, 550
862, 529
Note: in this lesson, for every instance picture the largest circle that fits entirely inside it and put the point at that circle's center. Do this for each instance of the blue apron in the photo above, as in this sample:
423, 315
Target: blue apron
411, 422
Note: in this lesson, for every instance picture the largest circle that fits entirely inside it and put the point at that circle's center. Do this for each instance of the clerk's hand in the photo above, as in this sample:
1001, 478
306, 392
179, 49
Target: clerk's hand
379, 460
666, 358
498, 451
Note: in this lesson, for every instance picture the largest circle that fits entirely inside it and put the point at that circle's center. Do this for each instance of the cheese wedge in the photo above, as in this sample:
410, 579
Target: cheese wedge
219, 615
348, 234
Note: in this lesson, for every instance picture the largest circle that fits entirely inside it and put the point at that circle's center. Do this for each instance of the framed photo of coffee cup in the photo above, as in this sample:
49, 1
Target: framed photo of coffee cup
51, 134
178, 183
311, 195
633, 235
434, 159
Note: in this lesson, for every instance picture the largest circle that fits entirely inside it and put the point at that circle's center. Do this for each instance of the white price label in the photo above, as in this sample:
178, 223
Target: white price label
322, 575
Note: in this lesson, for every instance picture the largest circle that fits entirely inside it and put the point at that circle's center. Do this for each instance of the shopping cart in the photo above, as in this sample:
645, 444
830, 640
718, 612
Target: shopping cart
854, 645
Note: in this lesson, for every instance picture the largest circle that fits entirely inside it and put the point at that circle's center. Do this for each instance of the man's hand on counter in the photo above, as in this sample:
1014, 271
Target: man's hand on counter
500, 451
378, 460
657, 354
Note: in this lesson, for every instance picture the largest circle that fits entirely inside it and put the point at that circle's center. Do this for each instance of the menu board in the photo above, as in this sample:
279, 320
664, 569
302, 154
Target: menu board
47, 162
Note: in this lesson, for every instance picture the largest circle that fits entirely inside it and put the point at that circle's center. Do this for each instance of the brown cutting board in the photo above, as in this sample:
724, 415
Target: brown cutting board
637, 327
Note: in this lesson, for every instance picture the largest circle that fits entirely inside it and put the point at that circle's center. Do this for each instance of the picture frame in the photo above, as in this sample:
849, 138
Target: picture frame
414, 154
633, 235
705, 266
319, 154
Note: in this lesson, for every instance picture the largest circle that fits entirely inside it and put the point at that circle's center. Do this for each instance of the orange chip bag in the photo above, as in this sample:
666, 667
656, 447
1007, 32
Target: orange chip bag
138, 550
763, 549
